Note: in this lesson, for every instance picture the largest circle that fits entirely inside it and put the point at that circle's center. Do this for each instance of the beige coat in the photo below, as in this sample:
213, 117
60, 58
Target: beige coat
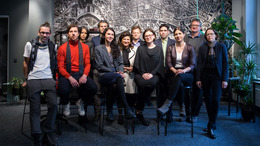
130, 86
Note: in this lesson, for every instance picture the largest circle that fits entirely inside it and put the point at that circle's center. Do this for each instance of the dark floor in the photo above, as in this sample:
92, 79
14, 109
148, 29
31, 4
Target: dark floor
231, 130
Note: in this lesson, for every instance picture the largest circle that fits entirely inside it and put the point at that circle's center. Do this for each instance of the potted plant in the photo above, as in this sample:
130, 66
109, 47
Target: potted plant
226, 28
14, 90
246, 67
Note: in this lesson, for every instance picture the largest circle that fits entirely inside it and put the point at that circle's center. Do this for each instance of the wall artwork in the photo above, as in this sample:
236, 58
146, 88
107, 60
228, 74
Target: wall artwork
123, 14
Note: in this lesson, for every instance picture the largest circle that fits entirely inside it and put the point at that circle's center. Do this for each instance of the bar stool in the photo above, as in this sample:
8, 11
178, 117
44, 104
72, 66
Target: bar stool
102, 96
189, 89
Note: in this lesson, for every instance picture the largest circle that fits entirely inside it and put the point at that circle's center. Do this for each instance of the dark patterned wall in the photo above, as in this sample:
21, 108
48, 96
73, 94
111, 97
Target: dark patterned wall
123, 14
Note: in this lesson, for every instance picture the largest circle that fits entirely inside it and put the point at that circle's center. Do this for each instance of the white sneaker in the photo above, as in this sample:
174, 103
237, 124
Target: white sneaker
81, 109
66, 110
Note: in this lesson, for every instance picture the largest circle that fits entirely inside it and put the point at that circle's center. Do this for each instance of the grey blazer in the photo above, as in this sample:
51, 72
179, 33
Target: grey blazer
102, 61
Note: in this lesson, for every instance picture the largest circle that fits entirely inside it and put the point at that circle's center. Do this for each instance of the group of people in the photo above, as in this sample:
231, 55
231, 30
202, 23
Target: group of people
131, 69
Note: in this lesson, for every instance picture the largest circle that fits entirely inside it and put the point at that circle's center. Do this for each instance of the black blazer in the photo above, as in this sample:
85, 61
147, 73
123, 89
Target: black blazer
221, 60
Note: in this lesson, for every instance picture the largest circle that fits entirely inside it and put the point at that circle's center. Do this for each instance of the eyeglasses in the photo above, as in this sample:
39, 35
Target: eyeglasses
210, 34
150, 35
196, 25
47, 33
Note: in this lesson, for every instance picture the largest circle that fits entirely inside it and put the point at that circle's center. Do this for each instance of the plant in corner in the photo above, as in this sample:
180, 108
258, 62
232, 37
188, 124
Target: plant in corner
15, 89
246, 67
226, 28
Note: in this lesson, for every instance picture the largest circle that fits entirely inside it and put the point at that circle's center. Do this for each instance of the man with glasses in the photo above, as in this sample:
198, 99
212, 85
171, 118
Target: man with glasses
136, 34
196, 39
39, 70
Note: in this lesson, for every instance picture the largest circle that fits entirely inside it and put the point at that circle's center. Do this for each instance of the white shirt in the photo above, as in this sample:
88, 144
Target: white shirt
41, 68
179, 60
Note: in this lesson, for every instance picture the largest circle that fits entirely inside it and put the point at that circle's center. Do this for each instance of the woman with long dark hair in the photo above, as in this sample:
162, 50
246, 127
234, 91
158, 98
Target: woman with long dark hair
109, 63
181, 61
212, 75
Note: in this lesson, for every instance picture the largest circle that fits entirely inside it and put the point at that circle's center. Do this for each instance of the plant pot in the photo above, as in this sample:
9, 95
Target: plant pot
247, 113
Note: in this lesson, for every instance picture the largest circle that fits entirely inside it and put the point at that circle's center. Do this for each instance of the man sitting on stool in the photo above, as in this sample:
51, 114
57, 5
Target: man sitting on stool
74, 66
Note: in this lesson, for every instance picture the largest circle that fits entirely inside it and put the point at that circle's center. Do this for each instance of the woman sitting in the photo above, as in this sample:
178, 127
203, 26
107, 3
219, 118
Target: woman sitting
148, 69
109, 64
128, 52
181, 61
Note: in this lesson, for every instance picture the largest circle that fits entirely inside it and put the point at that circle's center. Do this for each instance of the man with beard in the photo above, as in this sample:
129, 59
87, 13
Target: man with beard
39, 70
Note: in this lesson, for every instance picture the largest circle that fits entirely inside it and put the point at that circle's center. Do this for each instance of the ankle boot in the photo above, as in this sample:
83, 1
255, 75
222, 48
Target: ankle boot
165, 107
37, 139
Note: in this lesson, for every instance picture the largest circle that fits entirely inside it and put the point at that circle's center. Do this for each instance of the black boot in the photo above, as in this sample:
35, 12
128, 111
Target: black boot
37, 139
50, 139
211, 133
165, 107
140, 116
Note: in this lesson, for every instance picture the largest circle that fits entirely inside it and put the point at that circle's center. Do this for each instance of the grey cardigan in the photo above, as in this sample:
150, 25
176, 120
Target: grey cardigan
102, 61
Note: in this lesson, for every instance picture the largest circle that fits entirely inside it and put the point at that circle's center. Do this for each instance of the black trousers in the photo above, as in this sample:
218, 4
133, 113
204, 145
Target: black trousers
212, 89
145, 88
85, 91
33, 89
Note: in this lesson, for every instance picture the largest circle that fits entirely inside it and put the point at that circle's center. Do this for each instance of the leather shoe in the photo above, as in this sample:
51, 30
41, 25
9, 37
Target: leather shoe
37, 139
211, 133
50, 139
141, 118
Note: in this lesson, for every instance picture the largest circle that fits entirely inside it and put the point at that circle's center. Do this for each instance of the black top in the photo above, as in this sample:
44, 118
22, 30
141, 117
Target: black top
126, 57
149, 61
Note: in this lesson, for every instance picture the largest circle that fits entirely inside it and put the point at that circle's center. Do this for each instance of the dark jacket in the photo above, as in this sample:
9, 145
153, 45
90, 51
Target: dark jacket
188, 56
158, 43
102, 61
149, 61
221, 60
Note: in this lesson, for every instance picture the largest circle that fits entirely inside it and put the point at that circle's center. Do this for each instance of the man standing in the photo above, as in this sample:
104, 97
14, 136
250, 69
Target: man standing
74, 66
196, 39
39, 70
102, 25
136, 34
164, 42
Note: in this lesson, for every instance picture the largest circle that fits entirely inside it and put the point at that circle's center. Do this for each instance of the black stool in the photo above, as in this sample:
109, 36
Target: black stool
102, 96
189, 89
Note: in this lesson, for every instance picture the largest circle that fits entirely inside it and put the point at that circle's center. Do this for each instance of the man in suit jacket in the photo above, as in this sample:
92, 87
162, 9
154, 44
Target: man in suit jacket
102, 25
164, 41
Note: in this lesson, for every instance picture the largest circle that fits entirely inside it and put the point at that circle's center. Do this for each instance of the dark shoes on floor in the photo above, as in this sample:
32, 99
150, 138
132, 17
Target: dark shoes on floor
210, 133
140, 116
50, 139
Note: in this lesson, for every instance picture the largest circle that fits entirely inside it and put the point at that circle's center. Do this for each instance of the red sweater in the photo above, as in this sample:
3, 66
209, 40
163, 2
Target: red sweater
61, 58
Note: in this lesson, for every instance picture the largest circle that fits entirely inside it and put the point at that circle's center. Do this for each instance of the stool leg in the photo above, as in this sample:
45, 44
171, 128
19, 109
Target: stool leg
190, 95
24, 112
166, 126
